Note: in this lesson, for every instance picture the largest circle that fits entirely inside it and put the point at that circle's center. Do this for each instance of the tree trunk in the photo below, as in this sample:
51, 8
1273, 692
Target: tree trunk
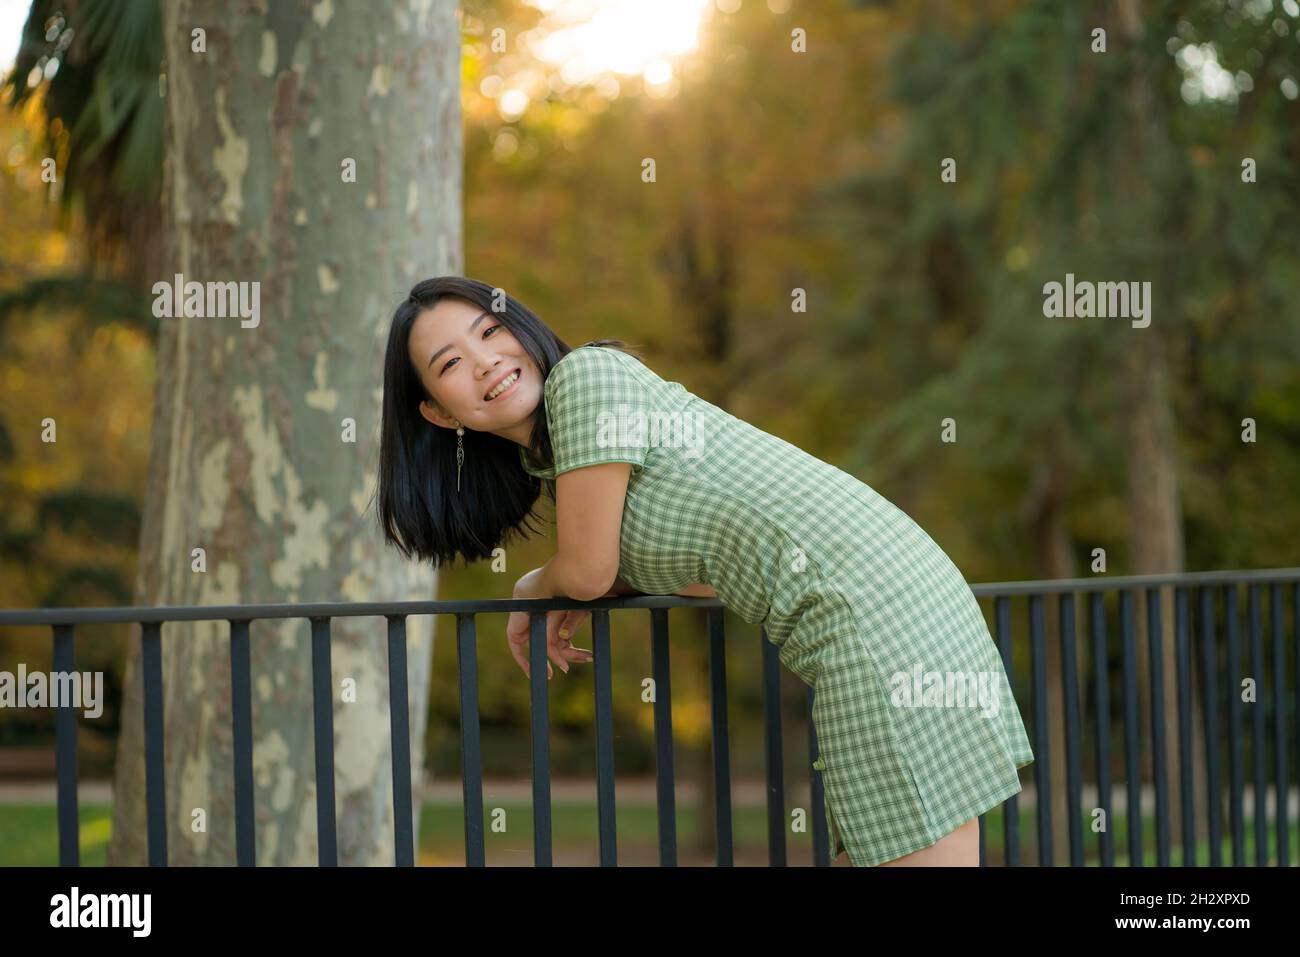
1052, 550
699, 259
1155, 508
251, 458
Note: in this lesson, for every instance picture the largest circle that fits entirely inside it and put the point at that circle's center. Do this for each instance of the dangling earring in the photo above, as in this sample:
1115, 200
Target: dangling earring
460, 453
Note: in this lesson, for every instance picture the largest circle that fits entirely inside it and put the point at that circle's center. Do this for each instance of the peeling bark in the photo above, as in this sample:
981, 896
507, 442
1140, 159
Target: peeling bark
248, 460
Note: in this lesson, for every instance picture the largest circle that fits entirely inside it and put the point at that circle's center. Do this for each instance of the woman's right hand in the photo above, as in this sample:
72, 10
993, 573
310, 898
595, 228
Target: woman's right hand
561, 626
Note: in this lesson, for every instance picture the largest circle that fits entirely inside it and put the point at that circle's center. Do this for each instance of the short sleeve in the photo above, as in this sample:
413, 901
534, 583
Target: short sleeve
595, 409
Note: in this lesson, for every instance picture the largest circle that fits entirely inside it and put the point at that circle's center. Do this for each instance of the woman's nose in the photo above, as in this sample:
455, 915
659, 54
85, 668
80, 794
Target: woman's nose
485, 359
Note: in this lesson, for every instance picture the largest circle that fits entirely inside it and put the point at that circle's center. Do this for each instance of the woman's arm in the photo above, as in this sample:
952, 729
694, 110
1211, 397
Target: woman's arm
620, 587
698, 591
690, 591
589, 520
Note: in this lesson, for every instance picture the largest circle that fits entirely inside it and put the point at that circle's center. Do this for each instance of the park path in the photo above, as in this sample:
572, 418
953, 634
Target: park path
583, 791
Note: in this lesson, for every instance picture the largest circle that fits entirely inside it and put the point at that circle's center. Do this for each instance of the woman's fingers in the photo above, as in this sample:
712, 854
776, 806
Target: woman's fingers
517, 637
520, 655
569, 623
556, 652
561, 627
570, 627
575, 655
559, 647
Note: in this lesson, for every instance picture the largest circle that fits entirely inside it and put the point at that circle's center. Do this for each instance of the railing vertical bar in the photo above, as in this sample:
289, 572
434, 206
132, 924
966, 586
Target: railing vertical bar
821, 845
663, 718
1073, 720
1159, 768
1011, 806
154, 762
1210, 707
1186, 783
721, 749
1236, 796
399, 726
1280, 699
772, 743
1101, 686
471, 779
65, 753
1295, 663
1042, 736
1258, 750
322, 691
241, 727
605, 794
1132, 752
541, 738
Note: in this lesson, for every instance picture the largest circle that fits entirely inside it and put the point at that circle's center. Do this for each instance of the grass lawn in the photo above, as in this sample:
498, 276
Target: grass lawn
993, 829
29, 837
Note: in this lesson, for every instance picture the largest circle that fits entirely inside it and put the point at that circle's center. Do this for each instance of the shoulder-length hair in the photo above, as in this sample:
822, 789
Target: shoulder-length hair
420, 511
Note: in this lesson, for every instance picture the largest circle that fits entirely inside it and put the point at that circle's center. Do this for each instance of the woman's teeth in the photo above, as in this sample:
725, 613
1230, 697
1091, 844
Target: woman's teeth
505, 383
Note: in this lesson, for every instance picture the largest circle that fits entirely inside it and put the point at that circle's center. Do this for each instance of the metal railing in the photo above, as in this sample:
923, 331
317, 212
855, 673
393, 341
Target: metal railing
1270, 676
1270, 695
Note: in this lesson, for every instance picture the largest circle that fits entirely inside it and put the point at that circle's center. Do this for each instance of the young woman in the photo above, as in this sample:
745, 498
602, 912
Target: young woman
659, 492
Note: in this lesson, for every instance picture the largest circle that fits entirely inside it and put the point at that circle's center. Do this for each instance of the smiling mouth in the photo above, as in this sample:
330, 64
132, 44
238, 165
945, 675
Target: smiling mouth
505, 384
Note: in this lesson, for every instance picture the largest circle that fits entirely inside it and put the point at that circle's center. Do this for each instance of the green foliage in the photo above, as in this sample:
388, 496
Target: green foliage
108, 517
95, 302
106, 91
1096, 164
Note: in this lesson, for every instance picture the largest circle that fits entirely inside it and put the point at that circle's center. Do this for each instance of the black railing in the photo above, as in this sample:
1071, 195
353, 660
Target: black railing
1217, 657
1271, 693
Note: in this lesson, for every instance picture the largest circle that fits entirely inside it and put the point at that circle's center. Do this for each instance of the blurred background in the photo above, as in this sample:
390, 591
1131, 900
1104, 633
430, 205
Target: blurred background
800, 259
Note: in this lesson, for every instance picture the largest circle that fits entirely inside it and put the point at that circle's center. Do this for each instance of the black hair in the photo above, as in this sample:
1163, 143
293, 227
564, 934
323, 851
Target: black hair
420, 510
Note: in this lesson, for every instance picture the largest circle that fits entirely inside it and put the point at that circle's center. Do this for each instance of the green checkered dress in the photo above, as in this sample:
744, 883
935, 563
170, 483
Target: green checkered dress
916, 725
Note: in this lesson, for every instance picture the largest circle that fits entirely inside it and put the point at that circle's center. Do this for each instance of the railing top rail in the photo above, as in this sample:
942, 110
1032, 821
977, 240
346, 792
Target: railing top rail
163, 613
338, 609
1104, 583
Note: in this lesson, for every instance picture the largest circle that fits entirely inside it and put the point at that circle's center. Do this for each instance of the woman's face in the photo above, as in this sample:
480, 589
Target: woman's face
462, 353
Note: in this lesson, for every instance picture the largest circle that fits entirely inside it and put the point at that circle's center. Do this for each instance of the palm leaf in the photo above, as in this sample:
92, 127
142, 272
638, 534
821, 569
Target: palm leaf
106, 94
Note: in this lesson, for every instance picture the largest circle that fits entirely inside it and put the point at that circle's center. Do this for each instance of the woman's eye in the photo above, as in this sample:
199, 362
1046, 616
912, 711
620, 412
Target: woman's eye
485, 335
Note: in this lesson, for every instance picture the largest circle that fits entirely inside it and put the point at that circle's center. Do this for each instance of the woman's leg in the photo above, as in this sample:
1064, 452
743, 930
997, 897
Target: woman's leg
958, 848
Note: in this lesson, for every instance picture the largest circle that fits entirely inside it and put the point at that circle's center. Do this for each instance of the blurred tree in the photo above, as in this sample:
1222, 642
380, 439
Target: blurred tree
75, 365
86, 75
